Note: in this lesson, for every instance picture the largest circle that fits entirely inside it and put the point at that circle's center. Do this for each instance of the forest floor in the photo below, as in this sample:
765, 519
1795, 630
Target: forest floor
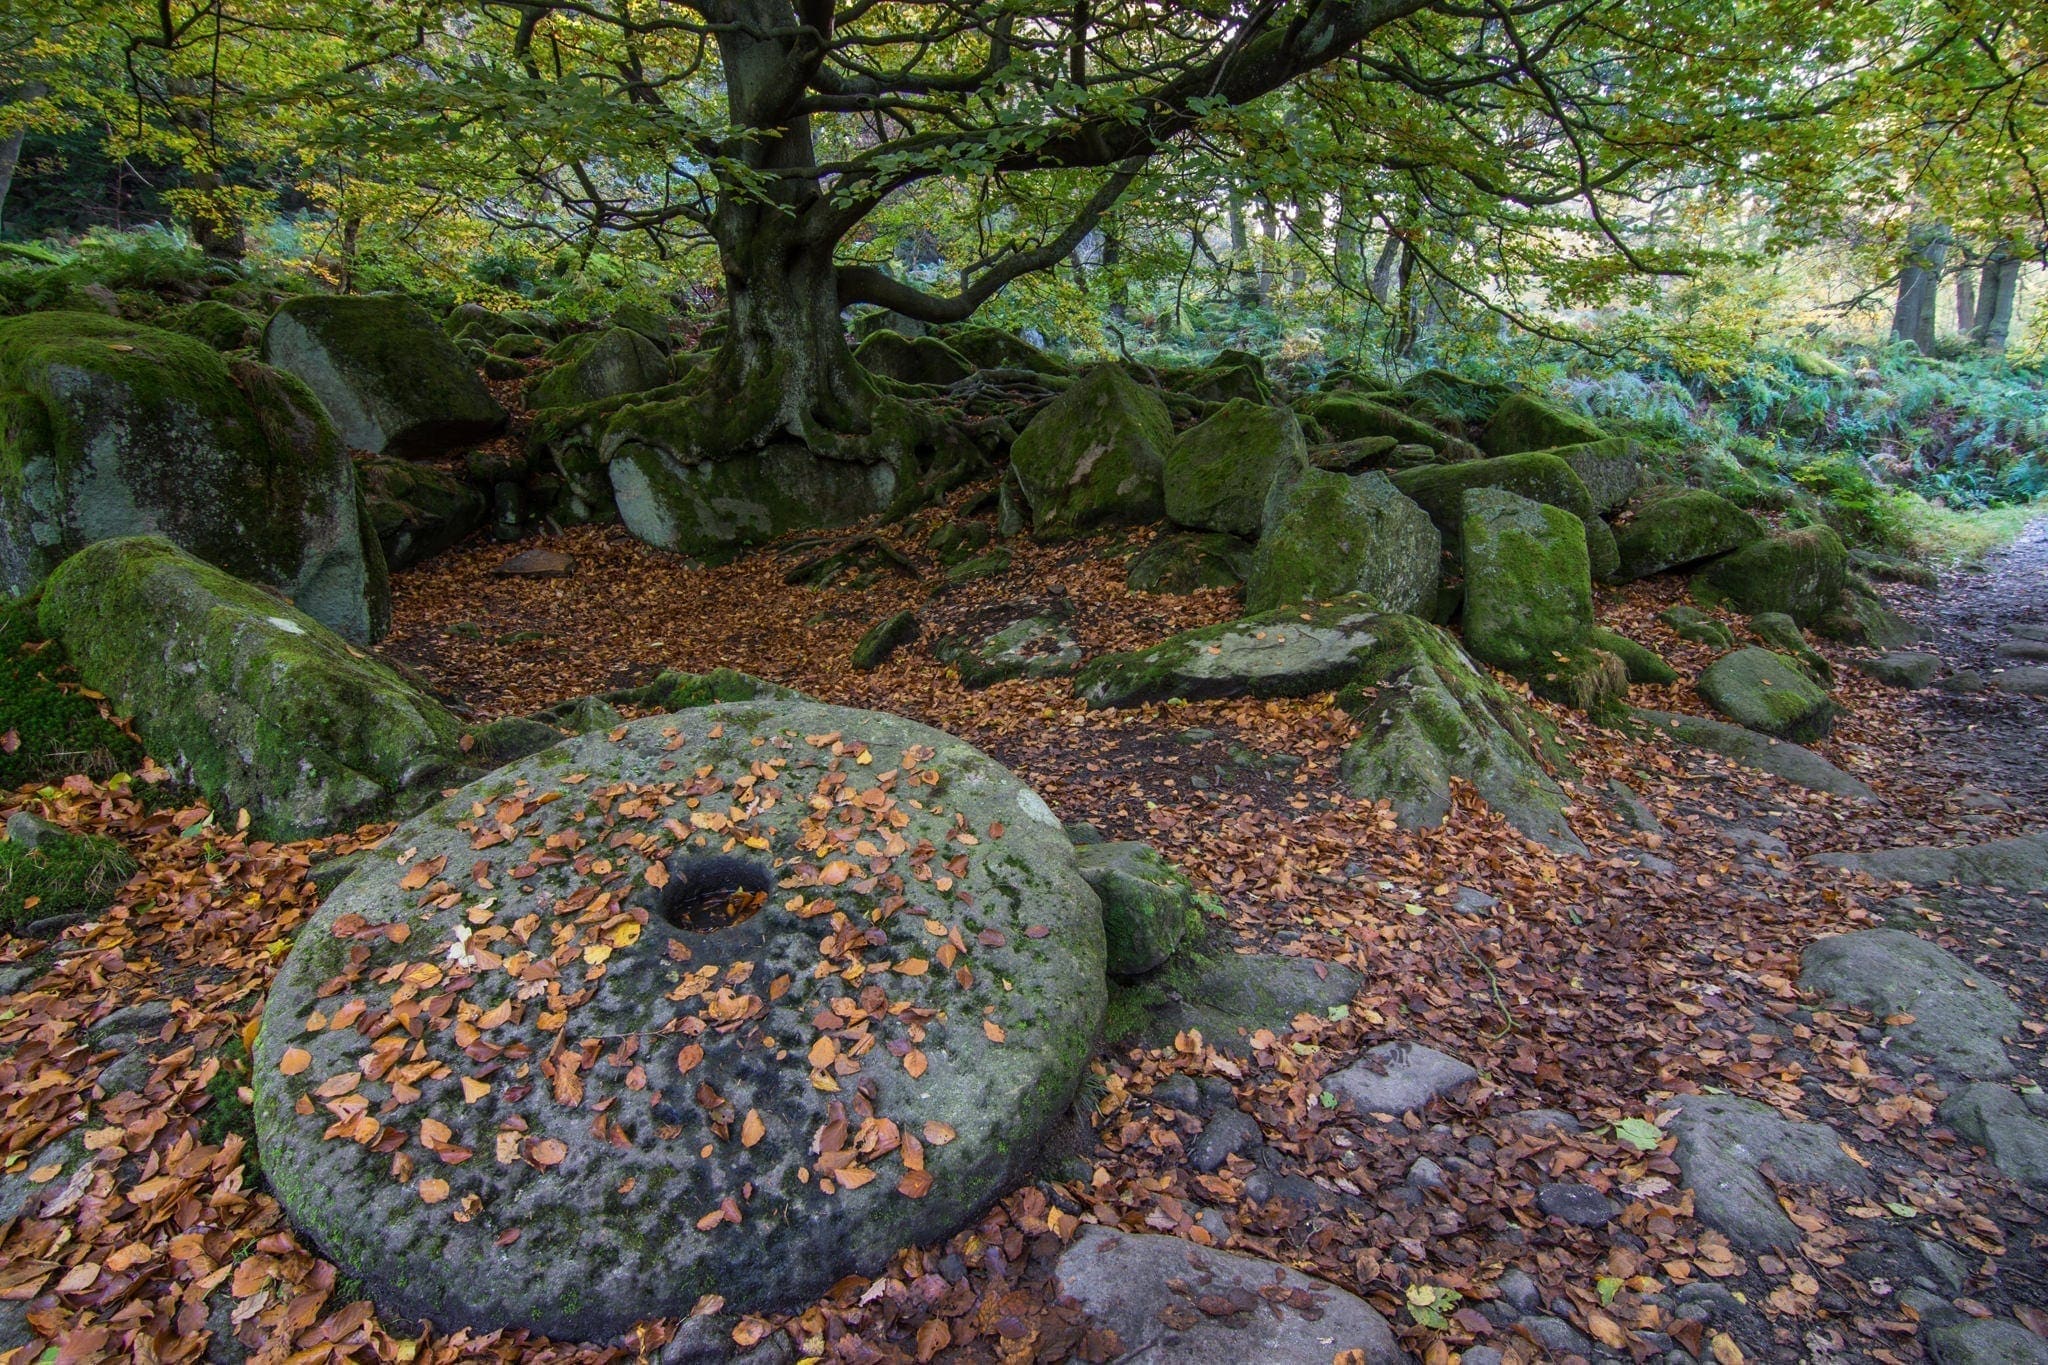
1665, 965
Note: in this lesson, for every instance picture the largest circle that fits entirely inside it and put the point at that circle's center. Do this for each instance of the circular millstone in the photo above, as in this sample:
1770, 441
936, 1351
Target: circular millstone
495, 1083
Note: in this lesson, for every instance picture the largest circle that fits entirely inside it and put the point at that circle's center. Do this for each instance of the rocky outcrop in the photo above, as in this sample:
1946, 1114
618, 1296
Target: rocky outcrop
1218, 472
1095, 456
1326, 535
1681, 529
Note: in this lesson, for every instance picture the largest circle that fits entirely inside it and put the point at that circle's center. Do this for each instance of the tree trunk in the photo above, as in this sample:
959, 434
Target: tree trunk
1405, 308
1998, 287
1919, 279
786, 361
1966, 302
1383, 268
10, 150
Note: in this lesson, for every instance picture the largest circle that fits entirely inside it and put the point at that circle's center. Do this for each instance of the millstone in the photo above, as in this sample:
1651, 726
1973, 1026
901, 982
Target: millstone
495, 1081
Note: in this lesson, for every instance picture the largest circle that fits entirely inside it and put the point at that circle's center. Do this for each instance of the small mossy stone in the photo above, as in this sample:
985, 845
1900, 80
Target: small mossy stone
609, 364
59, 875
1768, 693
1217, 472
1783, 634
883, 639
958, 540
385, 371
1038, 646
1291, 651
1860, 620
1367, 452
509, 739
1094, 456
1583, 677
1528, 591
1680, 529
1903, 668
1799, 573
418, 510
1189, 563
1327, 535
1644, 665
519, 346
581, 715
1690, 623
1148, 904
1524, 422
991, 565
219, 325
1226, 997
1349, 417
56, 731
1226, 383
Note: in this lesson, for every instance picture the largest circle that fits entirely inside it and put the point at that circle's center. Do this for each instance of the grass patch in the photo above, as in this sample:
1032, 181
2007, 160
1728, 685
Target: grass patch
56, 730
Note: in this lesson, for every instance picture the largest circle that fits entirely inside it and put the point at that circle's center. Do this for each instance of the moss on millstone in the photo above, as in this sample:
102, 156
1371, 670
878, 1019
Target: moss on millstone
62, 874
1766, 692
1218, 471
883, 639
1799, 573
1327, 535
56, 731
1188, 563
1644, 665
1680, 529
1094, 456
111, 429
261, 706
1528, 591
387, 374
1524, 422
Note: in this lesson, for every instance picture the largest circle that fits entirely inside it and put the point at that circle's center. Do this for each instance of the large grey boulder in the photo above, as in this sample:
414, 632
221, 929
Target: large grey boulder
601, 365
1958, 1018
2018, 864
1172, 1302
1217, 472
1999, 1121
1397, 1078
909, 1078
1608, 468
1959, 1340
257, 704
1796, 764
1680, 529
1723, 1144
1525, 422
1762, 690
1528, 590
1325, 535
1095, 456
385, 371
112, 430
1288, 652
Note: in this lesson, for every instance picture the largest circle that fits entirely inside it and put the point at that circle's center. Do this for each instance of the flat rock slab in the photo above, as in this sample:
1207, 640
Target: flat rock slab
1395, 1078
537, 564
1958, 1017
2018, 864
1798, 765
1907, 668
1998, 1121
1229, 998
1722, 1144
507, 1080
2029, 681
1985, 1341
1288, 652
1171, 1302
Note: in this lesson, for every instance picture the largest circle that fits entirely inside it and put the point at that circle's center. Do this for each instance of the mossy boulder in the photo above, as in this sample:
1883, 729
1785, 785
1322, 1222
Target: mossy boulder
1866, 621
418, 510
46, 873
1608, 468
1799, 573
1766, 692
1217, 472
1148, 904
110, 429
1690, 623
607, 364
1644, 665
1095, 456
1783, 634
1528, 591
1348, 417
1426, 715
1226, 382
1909, 669
1189, 563
1293, 651
1227, 997
913, 360
1537, 475
1680, 529
650, 322
1327, 535
1367, 452
1036, 646
959, 540
219, 325
883, 639
1471, 401
1526, 422
385, 371
990, 348
54, 730
956, 1052
259, 705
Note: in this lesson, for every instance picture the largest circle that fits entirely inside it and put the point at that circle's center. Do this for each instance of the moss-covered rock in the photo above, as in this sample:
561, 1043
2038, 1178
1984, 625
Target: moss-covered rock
883, 639
1427, 715
1799, 573
1348, 417
912, 360
1226, 381
219, 325
594, 367
1526, 422
1680, 529
990, 348
1528, 591
1095, 456
387, 374
1909, 669
418, 510
1188, 563
1538, 476
1644, 665
1218, 471
259, 705
1608, 468
1782, 633
652, 323
1766, 692
110, 429
1367, 452
58, 874
1690, 623
1037, 646
1864, 620
1148, 904
55, 731
1226, 997
1471, 401
1327, 535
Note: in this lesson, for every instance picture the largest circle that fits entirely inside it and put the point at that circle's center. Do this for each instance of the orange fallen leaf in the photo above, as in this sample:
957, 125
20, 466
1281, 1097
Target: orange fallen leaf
752, 1130
433, 1190
295, 1060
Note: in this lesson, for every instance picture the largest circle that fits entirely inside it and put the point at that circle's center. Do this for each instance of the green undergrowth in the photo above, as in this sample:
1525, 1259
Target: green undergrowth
56, 730
62, 875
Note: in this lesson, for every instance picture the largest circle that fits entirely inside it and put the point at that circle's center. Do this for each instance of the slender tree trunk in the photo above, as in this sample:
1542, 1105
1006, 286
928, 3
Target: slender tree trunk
1966, 301
1406, 302
1308, 233
1112, 257
1913, 314
1269, 232
1348, 243
10, 150
1998, 287
1383, 268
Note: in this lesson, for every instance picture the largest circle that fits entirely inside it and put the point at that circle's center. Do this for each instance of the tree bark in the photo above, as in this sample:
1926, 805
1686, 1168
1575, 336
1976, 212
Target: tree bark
10, 150
1998, 287
1966, 302
1919, 279
1383, 268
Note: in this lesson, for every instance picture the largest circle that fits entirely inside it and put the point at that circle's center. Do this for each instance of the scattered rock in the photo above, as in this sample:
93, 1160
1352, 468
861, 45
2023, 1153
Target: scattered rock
1580, 1205
1766, 692
1998, 1121
2019, 863
1799, 573
1634, 811
1520, 1290
1189, 563
2025, 682
1722, 1143
1525, 422
1148, 904
883, 639
1800, 766
1032, 647
1681, 529
1326, 535
418, 510
1608, 469
590, 1260
593, 366
1643, 664
1425, 1174
1528, 592
1690, 623
537, 564
1226, 998
1543, 1121
1958, 1340
1350, 417
259, 706
1231, 1133
1094, 456
385, 371
1171, 1302
1783, 634
1218, 471
1957, 1018
1396, 1078
1273, 654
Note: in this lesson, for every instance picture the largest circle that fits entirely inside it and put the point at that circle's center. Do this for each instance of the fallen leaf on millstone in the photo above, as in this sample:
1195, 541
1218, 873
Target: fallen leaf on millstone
433, 1190
752, 1130
295, 1060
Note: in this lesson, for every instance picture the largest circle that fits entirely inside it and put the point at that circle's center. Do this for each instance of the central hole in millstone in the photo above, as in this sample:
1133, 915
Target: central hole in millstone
710, 891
